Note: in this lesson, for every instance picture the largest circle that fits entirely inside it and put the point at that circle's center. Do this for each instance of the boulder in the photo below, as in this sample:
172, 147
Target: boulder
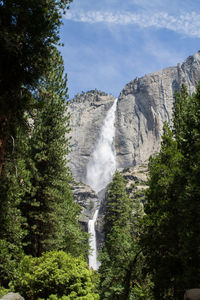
12, 296
193, 294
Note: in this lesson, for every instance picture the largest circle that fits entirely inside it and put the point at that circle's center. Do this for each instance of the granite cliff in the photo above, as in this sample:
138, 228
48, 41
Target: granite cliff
88, 110
143, 106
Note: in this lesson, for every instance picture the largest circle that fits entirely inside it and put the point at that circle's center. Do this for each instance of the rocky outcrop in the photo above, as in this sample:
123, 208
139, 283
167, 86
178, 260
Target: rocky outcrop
87, 199
12, 296
143, 106
87, 111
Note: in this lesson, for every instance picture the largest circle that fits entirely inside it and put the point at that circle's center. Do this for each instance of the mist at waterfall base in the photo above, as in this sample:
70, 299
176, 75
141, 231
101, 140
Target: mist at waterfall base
100, 171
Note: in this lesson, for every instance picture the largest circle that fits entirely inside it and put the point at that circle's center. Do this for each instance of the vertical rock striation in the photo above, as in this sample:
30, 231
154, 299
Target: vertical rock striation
143, 106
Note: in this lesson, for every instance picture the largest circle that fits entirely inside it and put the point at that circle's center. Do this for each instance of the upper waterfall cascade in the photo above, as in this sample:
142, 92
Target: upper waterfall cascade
100, 170
102, 164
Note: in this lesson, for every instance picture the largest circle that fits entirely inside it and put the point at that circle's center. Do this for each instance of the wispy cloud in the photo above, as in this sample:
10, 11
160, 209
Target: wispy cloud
186, 23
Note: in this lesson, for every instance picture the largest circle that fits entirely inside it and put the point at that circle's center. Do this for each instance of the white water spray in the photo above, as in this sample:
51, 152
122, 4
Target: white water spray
102, 165
100, 171
92, 258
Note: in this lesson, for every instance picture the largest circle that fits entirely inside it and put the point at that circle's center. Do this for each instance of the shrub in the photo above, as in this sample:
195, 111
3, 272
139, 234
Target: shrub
55, 275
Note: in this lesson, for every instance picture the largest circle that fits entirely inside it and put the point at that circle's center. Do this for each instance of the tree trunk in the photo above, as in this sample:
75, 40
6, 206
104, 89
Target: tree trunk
3, 137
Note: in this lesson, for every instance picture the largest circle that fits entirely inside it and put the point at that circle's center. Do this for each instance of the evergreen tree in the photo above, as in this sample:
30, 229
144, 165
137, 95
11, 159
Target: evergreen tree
14, 183
29, 30
171, 239
117, 251
160, 239
188, 137
51, 213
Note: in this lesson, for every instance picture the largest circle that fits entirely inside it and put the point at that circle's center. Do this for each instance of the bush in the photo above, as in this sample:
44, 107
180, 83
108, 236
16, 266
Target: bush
55, 275
3, 291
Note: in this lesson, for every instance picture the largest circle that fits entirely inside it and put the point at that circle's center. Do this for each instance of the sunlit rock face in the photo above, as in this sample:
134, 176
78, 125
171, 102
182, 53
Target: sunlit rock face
88, 111
143, 106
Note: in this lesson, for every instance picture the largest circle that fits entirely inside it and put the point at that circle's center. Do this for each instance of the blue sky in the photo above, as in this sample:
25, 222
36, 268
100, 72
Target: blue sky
108, 43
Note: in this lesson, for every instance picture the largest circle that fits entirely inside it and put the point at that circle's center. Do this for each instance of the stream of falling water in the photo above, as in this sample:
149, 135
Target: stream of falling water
92, 258
100, 171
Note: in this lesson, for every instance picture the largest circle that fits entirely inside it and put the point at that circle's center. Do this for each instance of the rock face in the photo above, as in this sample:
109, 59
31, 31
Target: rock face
143, 106
87, 199
88, 111
12, 296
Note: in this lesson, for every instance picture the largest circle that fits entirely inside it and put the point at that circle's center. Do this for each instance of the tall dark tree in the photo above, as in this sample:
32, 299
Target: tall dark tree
14, 183
49, 208
29, 30
160, 239
171, 240
188, 137
117, 251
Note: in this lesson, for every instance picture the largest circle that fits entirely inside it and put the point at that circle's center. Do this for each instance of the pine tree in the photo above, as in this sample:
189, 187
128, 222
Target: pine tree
14, 183
117, 251
160, 239
188, 137
29, 31
171, 239
49, 208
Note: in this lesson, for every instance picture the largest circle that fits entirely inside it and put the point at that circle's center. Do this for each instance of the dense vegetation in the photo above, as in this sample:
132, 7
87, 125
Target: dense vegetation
171, 227
147, 254
162, 260
165, 254
55, 275
121, 258
39, 217
29, 32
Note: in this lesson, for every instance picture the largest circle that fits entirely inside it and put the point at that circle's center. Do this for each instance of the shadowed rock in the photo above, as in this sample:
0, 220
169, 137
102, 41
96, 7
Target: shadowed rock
193, 294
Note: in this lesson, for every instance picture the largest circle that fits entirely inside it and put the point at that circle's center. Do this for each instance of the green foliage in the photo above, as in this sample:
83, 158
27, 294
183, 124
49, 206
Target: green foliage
120, 268
170, 240
14, 183
142, 292
160, 239
54, 275
51, 213
190, 209
3, 291
28, 33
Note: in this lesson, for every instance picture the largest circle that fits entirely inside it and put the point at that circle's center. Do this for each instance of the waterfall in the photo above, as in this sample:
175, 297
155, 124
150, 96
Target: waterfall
102, 165
100, 171
92, 258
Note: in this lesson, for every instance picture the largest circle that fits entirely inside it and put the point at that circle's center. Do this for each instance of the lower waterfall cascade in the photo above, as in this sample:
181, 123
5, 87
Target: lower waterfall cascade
92, 258
100, 171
